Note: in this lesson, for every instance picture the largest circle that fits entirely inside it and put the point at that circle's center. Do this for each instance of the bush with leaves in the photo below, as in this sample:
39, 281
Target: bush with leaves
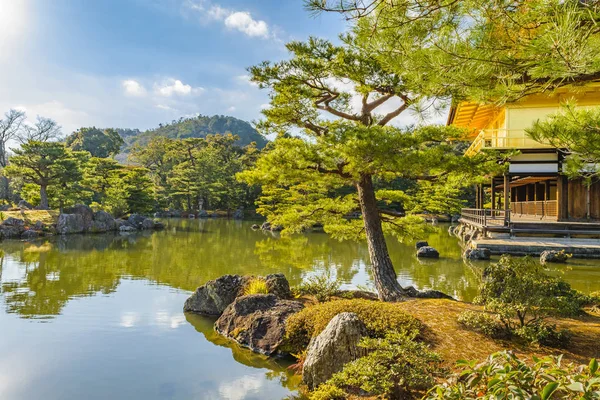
505, 376
322, 286
518, 293
380, 318
396, 367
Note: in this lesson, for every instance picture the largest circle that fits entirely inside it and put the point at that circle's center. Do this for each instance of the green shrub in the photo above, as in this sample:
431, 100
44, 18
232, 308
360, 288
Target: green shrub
328, 391
379, 318
504, 376
395, 367
544, 334
521, 296
322, 286
256, 286
485, 323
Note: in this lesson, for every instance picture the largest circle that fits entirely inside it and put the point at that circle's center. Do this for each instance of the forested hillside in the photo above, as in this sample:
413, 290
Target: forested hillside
194, 127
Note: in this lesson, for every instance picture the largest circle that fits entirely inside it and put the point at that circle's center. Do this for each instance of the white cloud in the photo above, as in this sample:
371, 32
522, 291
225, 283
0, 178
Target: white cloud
241, 21
172, 87
133, 88
231, 109
240, 388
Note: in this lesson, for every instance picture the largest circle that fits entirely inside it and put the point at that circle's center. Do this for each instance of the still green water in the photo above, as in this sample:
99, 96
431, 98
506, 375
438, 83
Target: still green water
100, 316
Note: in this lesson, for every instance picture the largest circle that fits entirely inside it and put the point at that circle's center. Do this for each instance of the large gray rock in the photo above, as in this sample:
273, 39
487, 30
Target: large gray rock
148, 223
30, 234
477, 254
427, 252
554, 256
87, 215
12, 228
23, 205
278, 285
257, 321
70, 223
214, 296
103, 222
336, 346
136, 220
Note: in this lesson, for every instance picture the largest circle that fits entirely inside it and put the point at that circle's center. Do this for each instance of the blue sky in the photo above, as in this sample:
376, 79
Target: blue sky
135, 63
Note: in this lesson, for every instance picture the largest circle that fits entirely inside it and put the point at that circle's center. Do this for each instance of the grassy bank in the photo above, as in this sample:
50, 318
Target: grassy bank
48, 217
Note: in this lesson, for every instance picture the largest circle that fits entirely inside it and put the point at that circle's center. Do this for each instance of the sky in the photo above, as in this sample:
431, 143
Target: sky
137, 63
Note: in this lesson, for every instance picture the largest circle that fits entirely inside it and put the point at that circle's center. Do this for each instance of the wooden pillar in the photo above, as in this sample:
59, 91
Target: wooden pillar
493, 195
506, 199
562, 195
477, 197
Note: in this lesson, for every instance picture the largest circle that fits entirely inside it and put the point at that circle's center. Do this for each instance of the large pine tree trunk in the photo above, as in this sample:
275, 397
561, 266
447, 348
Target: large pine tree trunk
384, 275
43, 197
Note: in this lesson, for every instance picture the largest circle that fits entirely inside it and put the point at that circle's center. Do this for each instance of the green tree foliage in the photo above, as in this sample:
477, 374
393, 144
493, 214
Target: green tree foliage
577, 131
48, 165
99, 143
196, 127
190, 173
495, 50
504, 376
396, 367
337, 96
520, 297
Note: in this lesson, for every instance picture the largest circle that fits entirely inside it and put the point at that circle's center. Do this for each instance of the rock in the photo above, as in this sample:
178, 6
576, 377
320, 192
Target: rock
427, 252
257, 321
4, 207
421, 243
266, 226
214, 296
278, 285
554, 256
29, 234
336, 346
157, 215
127, 228
103, 222
11, 221
86, 213
477, 254
158, 225
255, 227
238, 214
136, 220
23, 205
203, 214
276, 228
192, 216
148, 223
70, 223
39, 226
12, 228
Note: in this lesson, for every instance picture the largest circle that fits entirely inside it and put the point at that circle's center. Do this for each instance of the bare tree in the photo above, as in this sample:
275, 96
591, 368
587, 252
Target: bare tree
10, 128
44, 130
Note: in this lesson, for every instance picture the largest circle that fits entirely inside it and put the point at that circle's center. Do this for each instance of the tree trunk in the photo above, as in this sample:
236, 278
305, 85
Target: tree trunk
384, 275
43, 197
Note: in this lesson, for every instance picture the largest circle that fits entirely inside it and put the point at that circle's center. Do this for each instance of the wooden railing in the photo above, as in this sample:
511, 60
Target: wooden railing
540, 208
503, 139
486, 217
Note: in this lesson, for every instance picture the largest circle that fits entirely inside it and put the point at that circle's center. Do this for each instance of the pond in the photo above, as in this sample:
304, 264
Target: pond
100, 316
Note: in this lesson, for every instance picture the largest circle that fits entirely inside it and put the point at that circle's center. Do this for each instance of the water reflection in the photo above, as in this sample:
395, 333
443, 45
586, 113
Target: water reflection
39, 278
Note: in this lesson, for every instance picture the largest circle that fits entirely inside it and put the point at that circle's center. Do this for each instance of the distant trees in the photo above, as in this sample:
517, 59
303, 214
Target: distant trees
197, 173
99, 143
45, 164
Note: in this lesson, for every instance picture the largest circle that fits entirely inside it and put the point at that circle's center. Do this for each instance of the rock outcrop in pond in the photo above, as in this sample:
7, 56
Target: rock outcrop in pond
81, 219
336, 346
214, 296
257, 321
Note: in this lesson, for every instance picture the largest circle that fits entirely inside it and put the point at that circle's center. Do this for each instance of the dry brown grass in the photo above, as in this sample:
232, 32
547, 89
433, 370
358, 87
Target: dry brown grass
453, 342
48, 217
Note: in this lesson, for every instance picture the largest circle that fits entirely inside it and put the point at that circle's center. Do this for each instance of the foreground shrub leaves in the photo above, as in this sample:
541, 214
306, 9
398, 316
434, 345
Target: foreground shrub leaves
505, 376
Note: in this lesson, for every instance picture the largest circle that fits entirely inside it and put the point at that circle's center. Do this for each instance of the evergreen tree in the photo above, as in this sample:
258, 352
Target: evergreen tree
343, 99
46, 165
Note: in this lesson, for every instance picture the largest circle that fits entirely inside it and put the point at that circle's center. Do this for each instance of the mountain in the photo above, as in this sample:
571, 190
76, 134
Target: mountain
194, 127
